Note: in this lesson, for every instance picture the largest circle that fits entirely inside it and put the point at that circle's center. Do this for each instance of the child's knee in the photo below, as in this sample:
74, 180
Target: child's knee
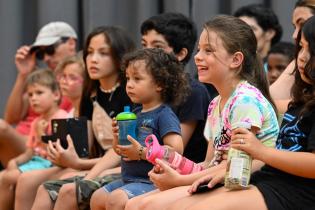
67, 190
4, 126
98, 199
117, 199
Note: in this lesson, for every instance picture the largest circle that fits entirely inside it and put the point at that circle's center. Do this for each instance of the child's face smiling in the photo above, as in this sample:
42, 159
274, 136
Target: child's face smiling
212, 60
41, 98
141, 87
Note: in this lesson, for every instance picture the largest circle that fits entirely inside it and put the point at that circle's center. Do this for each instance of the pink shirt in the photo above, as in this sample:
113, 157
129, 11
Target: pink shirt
24, 126
36, 144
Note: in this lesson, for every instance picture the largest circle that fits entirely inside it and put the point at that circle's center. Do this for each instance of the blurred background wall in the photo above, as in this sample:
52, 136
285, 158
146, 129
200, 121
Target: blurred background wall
20, 20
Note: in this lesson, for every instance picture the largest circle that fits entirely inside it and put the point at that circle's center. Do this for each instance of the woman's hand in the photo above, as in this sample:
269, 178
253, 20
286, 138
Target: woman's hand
246, 141
67, 158
212, 179
129, 152
163, 176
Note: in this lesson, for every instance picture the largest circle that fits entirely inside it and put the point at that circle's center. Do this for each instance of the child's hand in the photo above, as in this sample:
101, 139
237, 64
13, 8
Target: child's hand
115, 130
246, 141
129, 152
67, 158
163, 176
41, 127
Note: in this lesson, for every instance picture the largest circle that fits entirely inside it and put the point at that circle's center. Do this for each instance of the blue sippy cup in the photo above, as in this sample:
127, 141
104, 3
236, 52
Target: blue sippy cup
127, 122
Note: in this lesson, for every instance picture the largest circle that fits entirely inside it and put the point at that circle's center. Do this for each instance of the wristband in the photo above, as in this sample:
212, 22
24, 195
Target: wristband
140, 152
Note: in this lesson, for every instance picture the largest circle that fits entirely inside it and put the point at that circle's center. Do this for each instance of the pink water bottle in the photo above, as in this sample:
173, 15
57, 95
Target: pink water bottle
174, 159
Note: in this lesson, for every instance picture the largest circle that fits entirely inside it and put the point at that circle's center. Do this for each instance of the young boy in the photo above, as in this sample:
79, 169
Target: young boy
279, 56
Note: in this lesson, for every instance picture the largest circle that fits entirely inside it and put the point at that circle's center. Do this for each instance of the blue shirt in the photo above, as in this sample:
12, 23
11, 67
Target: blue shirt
160, 122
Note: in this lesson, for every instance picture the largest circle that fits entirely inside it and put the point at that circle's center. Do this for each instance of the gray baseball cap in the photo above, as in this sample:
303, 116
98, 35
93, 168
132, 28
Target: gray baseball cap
52, 32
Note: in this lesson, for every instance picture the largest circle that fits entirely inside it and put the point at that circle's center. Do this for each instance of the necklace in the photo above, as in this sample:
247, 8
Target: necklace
111, 89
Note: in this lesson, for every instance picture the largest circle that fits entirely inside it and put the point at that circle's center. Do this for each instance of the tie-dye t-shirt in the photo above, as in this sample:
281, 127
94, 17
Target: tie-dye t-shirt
246, 104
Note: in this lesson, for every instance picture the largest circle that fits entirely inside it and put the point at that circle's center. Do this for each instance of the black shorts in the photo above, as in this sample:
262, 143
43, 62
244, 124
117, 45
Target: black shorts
281, 193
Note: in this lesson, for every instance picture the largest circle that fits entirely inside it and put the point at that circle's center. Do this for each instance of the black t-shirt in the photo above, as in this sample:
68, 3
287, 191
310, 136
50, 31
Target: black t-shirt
283, 191
112, 103
195, 109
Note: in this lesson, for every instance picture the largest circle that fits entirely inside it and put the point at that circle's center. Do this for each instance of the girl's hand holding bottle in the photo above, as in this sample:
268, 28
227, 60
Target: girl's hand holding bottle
245, 140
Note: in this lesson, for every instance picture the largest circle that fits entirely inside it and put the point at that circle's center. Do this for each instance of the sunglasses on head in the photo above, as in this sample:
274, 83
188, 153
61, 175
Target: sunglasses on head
49, 50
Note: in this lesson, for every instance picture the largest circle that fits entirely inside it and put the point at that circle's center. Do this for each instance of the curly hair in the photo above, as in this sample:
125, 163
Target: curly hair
166, 70
304, 93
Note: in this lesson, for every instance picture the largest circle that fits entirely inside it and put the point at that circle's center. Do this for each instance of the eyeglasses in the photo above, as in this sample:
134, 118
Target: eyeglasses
69, 78
49, 50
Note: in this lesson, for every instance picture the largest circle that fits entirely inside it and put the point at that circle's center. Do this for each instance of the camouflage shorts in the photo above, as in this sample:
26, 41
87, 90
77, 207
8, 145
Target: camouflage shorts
84, 188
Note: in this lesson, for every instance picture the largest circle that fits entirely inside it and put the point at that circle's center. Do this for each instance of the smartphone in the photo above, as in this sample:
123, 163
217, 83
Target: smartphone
203, 187
76, 128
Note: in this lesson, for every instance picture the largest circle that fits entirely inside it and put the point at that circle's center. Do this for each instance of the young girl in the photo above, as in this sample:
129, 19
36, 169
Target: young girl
71, 77
287, 181
44, 96
70, 74
104, 84
154, 79
227, 59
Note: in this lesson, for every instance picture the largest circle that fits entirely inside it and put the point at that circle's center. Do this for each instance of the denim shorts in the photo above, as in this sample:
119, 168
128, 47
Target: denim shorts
132, 188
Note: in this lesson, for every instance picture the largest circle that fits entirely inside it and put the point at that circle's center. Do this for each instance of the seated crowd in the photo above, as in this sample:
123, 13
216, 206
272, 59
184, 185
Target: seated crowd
183, 127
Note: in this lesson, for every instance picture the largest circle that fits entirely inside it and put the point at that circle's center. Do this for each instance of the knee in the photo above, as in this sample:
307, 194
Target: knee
67, 191
7, 179
134, 204
98, 199
117, 200
4, 126
147, 204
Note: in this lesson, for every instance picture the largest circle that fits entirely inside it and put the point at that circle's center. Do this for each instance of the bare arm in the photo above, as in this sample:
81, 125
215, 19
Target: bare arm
296, 163
17, 104
108, 161
187, 129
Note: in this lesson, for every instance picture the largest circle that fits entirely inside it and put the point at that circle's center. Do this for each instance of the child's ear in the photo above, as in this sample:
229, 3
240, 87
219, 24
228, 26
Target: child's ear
269, 34
159, 89
57, 95
182, 54
237, 60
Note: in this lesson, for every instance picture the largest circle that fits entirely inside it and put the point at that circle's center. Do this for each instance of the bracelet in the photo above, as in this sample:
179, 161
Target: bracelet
140, 152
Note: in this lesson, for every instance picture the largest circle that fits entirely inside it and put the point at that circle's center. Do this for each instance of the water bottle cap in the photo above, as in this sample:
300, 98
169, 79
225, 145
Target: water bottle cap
126, 115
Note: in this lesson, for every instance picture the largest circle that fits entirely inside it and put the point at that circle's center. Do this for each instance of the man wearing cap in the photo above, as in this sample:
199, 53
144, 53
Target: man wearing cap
54, 42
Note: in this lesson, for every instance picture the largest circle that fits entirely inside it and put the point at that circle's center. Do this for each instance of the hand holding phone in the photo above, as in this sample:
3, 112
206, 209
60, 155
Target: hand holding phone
203, 187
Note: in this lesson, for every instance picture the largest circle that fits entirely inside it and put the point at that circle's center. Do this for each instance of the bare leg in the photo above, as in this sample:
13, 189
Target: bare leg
67, 198
42, 200
11, 142
222, 199
99, 199
158, 200
117, 200
8, 179
27, 185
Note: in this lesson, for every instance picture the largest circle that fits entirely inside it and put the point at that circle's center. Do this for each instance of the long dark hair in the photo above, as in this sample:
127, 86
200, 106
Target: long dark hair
303, 94
238, 36
119, 42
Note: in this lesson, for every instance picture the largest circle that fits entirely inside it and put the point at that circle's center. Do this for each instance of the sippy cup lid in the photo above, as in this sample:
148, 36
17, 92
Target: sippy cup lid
126, 114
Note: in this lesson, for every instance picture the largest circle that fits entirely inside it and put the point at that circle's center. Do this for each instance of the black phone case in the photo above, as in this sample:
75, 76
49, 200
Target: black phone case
76, 127
203, 187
